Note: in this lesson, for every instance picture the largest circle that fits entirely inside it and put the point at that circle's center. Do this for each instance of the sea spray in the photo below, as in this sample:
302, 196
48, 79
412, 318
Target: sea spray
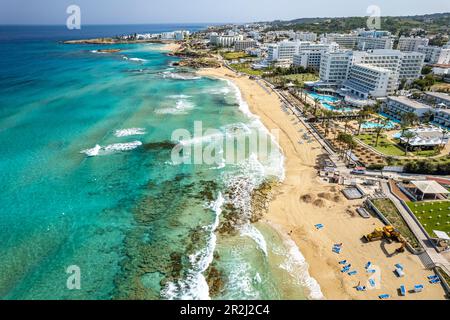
194, 286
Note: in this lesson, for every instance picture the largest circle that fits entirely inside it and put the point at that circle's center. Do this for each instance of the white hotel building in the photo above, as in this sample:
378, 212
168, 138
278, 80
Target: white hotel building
310, 54
345, 41
374, 43
365, 79
411, 44
436, 55
398, 106
334, 67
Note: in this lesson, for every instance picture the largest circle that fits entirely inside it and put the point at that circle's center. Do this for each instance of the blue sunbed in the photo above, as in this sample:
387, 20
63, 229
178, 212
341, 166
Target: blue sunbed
418, 288
368, 264
399, 272
319, 226
432, 277
352, 273
434, 281
399, 266
371, 271
402, 291
361, 288
343, 262
372, 282
384, 296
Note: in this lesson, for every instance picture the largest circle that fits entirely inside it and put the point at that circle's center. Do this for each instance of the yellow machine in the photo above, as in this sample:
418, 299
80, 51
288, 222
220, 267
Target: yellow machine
387, 232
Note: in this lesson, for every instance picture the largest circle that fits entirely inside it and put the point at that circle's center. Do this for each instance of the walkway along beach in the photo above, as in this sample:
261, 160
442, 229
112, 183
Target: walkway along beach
303, 200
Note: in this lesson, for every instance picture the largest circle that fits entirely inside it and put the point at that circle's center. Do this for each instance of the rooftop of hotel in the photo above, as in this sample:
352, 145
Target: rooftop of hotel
371, 67
439, 95
408, 102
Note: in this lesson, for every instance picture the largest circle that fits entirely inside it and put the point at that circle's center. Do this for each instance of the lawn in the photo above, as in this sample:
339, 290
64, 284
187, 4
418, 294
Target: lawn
302, 77
234, 55
439, 211
384, 145
388, 209
245, 68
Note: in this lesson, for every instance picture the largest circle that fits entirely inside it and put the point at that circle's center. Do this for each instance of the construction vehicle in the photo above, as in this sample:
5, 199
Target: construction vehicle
389, 233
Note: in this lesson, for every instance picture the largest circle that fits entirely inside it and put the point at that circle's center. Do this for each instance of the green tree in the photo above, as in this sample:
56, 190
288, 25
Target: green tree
408, 135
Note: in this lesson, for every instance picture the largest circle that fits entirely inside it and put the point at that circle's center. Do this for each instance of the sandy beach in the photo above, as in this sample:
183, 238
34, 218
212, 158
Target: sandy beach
171, 47
303, 201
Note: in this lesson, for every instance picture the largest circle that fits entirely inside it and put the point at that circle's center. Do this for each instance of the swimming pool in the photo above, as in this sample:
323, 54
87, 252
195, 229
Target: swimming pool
325, 100
373, 125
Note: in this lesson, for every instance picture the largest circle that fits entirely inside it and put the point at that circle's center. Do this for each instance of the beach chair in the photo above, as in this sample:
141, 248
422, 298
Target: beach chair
399, 266
432, 277
372, 282
337, 250
402, 291
399, 273
368, 264
418, 288
319, 226
361, 288
345, 269
370, 271
352, 273
343, 262
436, 280
384, 296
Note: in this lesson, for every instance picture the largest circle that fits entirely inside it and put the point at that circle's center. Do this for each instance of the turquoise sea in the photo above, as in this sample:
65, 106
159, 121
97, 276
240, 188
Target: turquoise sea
87, 178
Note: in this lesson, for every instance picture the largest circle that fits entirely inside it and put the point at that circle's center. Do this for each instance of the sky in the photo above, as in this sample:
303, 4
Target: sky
203, 11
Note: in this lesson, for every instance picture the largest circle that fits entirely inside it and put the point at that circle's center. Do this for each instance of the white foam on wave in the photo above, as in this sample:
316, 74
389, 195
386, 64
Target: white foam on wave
182, 106
249, 230
135, 59
129, 132
180, 76
109, 149
194, 285
295, 263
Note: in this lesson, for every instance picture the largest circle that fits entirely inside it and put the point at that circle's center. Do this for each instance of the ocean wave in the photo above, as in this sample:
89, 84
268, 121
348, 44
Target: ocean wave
295, 263
194, 285
182, 106
249, 230
109, 149
241, 283
134, 59
180, 75
129, 132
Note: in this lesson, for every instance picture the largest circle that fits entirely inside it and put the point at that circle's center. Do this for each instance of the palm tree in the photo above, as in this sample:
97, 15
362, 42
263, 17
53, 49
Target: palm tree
444, 135
408, 135
316, 103
361, 121
346, 121
380, 129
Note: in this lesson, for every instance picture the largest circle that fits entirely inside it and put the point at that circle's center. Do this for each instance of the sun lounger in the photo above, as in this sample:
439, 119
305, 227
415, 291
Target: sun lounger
337, 250
370, 271
352, 273
435, 280
345, 269
319, 226
372, 282
368, 264
402, 291
399, 266
433, 277
418, 288
343, 262
399, 273
384, 296
361, 288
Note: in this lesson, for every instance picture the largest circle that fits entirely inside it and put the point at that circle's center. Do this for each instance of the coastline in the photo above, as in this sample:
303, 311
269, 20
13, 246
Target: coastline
295, 218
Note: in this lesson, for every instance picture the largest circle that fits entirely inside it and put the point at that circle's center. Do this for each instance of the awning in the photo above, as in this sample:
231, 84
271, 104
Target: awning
430, 187
441, 235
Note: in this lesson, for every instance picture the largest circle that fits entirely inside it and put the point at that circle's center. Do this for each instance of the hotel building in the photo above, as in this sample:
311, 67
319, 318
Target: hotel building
411, 44
366, 80
436, 55
345, 41
398, 106
374, 43
442, 117
242, 45
334, 66
310, 54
